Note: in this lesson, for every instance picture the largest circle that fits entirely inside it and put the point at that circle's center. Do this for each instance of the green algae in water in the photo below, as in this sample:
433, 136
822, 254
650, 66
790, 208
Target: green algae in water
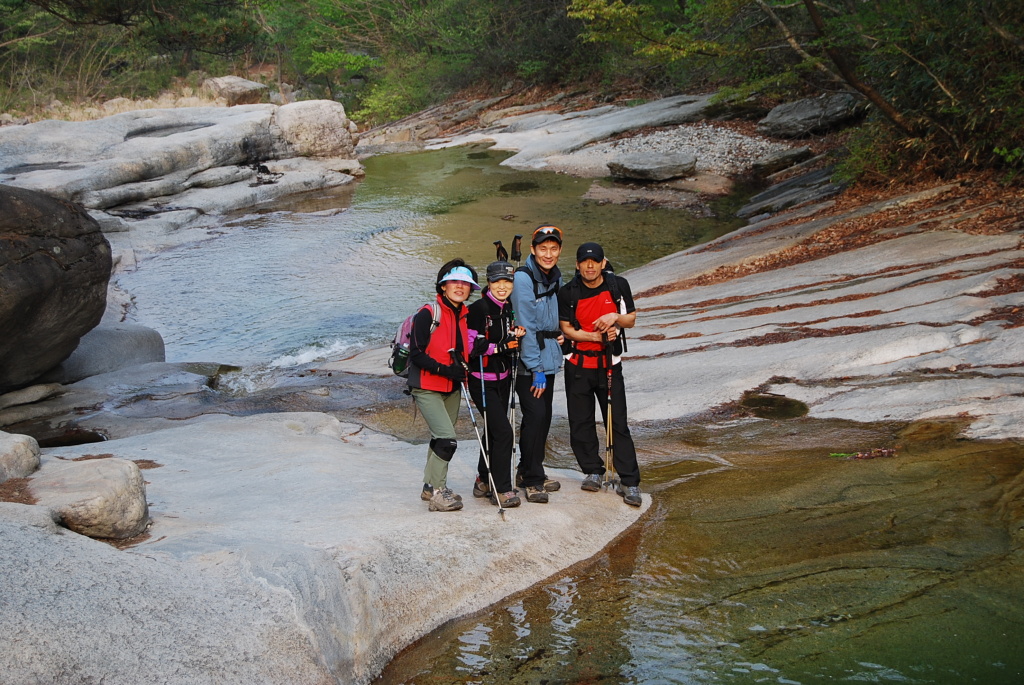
783, 566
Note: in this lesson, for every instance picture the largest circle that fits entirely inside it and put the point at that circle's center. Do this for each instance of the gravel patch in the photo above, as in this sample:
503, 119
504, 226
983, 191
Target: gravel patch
719, 150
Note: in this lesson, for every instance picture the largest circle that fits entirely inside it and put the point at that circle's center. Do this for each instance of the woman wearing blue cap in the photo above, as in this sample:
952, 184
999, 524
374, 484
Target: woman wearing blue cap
437, 367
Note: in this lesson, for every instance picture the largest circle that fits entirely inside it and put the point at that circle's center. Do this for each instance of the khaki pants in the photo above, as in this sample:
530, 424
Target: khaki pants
440, 410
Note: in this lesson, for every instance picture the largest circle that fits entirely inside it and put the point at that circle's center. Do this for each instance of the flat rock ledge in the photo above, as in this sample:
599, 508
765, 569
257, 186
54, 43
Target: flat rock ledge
283, 548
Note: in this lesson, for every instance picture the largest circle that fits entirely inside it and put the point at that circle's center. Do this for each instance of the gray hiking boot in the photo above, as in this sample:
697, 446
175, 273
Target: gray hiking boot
445, 500
630, 494
536, 495
592, 483
507, 500
427, 492
481, 488
549, 485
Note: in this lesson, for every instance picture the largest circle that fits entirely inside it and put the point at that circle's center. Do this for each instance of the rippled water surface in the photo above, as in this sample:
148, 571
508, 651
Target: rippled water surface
335, 271
763, 560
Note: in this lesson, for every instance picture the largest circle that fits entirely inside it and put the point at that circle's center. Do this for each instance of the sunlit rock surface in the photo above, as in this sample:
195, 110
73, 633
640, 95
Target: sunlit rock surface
300, 537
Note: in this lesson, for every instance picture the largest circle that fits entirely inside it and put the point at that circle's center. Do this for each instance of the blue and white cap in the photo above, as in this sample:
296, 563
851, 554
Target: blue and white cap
460, 273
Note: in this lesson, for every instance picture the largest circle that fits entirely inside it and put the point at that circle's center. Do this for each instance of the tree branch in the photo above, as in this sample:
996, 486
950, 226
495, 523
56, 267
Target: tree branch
795, 44
851, 78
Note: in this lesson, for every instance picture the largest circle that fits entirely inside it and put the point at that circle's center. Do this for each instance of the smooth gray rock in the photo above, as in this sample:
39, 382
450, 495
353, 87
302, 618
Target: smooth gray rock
812, 115
33, 393
147, 163
101, 498
235, 90
19, 456
316, 128
777, 161
266, 552
809, 187
652, 167
79, 611
54, 268
106, 348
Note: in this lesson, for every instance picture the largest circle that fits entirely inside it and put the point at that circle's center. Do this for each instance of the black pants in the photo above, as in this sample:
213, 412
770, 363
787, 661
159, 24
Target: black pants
533, 431
499, 430
582, 386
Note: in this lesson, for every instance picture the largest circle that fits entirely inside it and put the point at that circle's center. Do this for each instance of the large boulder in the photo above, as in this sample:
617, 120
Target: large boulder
106, 348
101, 498
812, 115
19, 456
235, 90
54, 268
316, 128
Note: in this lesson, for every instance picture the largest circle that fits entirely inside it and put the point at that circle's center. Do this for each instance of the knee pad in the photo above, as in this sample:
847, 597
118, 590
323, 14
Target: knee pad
444, 447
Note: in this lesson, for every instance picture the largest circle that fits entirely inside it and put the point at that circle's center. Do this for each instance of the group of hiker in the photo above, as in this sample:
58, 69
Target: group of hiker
509, 345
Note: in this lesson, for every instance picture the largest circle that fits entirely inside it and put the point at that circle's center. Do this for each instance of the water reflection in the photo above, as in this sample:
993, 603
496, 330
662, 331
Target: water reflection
785, 566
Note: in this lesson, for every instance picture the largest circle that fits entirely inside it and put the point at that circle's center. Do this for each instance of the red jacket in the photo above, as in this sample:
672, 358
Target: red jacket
426, 359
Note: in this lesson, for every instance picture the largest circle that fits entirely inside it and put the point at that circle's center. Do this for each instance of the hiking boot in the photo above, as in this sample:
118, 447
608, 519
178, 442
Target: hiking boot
445, 500
481, 488
549, 485
630, 494
507, 500
427, 492
592, 483
536, 495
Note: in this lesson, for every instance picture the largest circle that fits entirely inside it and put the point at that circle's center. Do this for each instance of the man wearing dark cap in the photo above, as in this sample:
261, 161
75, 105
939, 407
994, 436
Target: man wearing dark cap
593, 309
540, 356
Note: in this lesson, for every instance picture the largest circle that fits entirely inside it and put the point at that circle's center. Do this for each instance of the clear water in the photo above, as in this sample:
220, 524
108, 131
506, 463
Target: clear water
333, 272
786, 566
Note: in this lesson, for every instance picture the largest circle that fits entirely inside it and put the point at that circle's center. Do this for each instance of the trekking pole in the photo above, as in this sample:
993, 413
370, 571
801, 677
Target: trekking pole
483, 415
517, 249
512, 417
476, 429
609, 450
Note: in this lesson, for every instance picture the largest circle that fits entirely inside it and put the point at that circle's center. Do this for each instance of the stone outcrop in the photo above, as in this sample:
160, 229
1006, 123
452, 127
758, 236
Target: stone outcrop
19, 456
813, 115
182, 164
809, 187
235, 90
98, 497
54, 268
652, 167
109, 347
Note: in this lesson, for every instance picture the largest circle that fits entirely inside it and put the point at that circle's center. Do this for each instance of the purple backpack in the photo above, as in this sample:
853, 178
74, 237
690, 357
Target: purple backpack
399, 361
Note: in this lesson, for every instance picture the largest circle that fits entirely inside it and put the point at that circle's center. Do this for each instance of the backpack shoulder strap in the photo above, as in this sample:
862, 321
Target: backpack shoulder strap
574, 289
435, 316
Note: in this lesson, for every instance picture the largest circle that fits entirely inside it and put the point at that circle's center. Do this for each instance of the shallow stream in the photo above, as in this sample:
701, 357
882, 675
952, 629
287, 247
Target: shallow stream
333, 272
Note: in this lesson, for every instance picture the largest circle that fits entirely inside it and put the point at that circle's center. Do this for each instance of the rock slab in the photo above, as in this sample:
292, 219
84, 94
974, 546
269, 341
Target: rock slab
54, 267
652, 167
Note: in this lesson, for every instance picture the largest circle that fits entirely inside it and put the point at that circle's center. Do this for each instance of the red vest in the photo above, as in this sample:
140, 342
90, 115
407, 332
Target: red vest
587, 311
441, 341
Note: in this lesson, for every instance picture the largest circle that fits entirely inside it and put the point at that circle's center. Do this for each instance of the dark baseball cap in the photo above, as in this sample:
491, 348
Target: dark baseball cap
589, 251
500, 271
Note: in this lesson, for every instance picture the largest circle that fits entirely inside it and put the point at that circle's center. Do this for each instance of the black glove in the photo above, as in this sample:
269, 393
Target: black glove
507, 345
456, 372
